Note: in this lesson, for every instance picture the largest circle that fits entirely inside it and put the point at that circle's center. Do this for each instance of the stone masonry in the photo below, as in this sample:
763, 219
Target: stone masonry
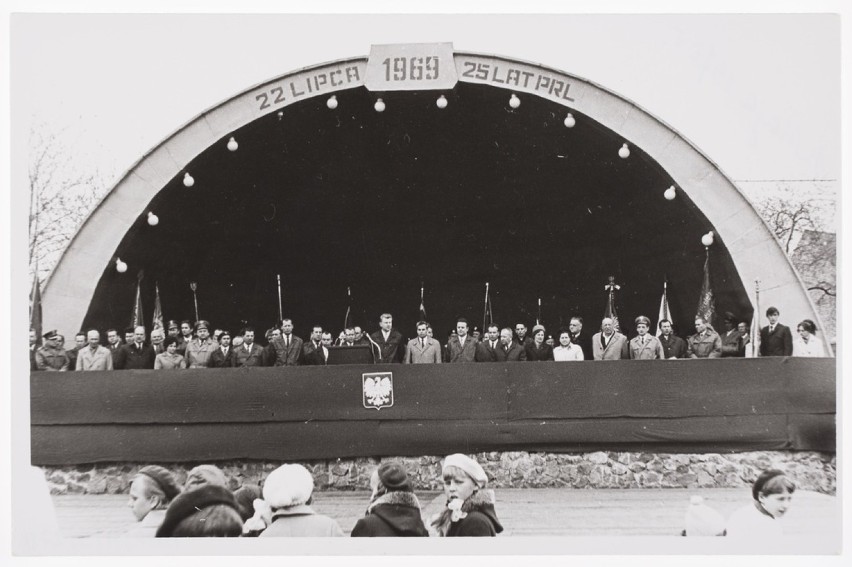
809, 470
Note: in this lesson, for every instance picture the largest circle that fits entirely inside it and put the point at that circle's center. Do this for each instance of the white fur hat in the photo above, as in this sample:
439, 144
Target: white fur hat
468, 465
288, 485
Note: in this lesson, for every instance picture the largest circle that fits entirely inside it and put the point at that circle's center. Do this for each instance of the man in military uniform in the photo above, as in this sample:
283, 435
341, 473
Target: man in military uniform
52, 356
705, 343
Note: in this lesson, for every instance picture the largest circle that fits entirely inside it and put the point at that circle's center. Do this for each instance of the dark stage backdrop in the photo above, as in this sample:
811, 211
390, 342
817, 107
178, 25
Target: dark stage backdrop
303, 413
380, 202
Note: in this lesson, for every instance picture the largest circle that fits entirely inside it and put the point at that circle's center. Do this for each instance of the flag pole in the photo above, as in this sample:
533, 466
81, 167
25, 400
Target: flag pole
280, 310
485, 312
193, 286
755, 322
348, 307
538, 319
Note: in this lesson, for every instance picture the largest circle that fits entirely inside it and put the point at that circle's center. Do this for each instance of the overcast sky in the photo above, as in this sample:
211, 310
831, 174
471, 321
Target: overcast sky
759, 94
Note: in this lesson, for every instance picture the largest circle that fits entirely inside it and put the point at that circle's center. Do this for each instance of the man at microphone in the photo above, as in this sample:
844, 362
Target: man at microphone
389, 341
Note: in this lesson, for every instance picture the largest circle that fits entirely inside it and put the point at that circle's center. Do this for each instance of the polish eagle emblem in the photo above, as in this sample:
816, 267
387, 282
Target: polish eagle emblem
378, 390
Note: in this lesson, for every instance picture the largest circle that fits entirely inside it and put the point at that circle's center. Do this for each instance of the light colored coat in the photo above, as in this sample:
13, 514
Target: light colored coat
704, 345
651, 350
198, 352
616, 349
416, 354
101, 359
301, 521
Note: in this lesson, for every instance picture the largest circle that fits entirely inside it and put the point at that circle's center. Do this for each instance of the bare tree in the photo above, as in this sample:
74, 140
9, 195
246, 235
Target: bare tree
787, 219
61, 197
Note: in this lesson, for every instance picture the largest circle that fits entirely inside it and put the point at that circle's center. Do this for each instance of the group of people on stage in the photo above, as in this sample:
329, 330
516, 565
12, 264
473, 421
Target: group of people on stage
207, 507
188, 345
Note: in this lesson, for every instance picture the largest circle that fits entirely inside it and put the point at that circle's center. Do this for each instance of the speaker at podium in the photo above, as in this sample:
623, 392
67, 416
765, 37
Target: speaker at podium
358, 354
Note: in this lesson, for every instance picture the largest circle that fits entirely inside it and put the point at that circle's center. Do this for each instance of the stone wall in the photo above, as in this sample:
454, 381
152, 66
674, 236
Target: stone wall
809, 470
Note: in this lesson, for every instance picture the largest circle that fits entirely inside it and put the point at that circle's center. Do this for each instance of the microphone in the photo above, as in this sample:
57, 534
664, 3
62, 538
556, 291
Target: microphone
375, 344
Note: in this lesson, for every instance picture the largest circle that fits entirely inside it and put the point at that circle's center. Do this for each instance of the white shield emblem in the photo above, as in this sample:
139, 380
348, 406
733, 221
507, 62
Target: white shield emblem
378, 389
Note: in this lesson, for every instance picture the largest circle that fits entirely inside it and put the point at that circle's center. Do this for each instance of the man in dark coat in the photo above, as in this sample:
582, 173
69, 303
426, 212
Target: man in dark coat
222, 357
249, 353
394, 510
288, 347
114, 345
673, 347
581, 338
509, 350
390, 341
313, 353
80, 342
136, 356
775, 339
461, 347
486, 351
523, 338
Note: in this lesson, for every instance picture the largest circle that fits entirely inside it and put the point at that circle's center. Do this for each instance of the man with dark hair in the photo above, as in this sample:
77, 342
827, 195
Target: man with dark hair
269, 353
349, 337
249, 353
521, 332
222, 357
486, 350
422, 349
360, 339
80, 343
775, 338
313, 353
581, 339
137, 355
705, 343
461, 347
185, 336
114, 345
129, 335
389, 340
673, 346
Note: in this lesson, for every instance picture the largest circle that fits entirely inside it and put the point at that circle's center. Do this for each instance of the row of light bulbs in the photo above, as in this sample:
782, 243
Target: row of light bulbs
441, 102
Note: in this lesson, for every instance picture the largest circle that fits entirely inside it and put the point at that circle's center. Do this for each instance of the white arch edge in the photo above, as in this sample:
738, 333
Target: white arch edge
693, 172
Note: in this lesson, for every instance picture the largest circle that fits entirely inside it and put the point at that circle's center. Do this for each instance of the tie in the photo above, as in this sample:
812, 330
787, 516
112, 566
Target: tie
771, 328
493, 345
287, 341
422, 343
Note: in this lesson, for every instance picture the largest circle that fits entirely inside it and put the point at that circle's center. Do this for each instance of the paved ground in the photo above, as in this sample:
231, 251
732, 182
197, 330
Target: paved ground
523, 512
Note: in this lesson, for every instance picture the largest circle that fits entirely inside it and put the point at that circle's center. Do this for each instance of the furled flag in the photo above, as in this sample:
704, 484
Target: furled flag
609, 311
422, 307
664, 309
35, 305
706, 305
136, 318
488, 315
158, 310
347, 320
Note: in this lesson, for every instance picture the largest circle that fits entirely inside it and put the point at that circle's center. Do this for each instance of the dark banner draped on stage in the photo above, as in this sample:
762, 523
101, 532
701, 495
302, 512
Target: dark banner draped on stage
308, 413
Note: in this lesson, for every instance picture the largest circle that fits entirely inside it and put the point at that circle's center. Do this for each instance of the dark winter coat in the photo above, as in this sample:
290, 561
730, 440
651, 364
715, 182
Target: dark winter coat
394, 514
480, 521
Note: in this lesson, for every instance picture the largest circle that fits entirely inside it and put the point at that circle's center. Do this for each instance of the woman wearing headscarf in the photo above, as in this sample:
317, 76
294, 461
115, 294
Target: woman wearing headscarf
470, 508
394, 510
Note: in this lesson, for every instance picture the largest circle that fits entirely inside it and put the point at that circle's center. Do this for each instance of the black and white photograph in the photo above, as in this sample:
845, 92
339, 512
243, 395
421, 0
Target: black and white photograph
567, 281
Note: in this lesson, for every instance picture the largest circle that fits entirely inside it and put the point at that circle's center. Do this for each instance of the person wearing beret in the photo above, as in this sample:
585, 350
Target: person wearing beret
207, 511
644, 346
151, 490
394, 510
772, 494
538, 349
52, 357
287, 490
469, 511
732, 339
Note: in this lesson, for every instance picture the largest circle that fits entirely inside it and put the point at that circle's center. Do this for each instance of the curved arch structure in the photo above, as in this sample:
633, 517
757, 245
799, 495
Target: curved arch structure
753, 250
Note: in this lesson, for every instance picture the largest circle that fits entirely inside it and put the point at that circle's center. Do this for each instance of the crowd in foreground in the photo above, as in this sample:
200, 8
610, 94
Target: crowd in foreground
189, 345
281, 507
